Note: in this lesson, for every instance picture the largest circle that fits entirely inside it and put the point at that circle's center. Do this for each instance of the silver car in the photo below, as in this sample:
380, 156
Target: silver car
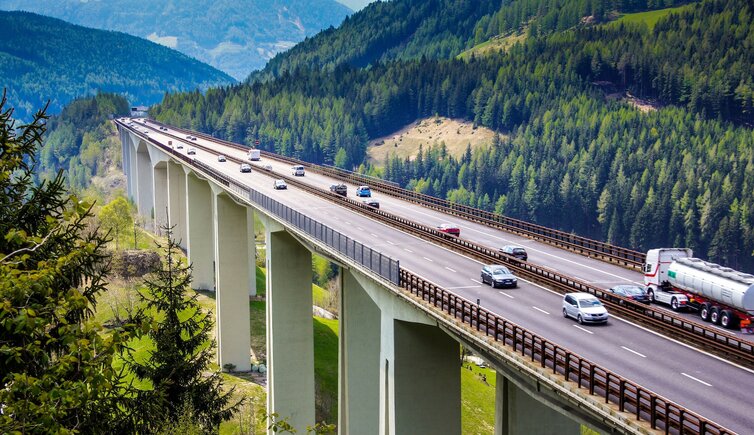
584, 307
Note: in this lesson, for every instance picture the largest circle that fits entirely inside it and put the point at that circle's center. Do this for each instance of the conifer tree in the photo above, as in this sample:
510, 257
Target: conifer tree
183, 348
56, 373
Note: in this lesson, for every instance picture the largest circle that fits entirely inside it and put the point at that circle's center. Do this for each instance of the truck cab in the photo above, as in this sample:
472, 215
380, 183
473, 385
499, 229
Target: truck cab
656, 276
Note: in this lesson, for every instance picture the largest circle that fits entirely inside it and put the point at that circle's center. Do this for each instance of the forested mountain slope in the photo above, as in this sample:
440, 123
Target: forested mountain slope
235, 36
44, 58
682, 175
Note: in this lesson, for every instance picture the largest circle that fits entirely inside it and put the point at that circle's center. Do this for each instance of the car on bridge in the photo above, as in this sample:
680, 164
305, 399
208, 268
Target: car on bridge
245, 167
297, 170
279, 185
340, 189
498, 275
515, 251
363, 191
267, 167
633, 292
191, 151
584, 307
451, 229
221, 158
371, 203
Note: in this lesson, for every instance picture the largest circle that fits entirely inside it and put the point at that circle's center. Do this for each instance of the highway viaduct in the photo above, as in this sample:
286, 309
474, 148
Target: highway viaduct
398, 354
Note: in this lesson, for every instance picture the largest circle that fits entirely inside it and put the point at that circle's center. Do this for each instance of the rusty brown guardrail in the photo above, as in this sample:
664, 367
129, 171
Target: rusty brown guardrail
644, 404
572, 242
661, 413
694, 333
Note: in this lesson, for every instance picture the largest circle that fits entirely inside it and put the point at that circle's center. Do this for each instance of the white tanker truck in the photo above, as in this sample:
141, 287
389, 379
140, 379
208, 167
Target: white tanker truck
720, 294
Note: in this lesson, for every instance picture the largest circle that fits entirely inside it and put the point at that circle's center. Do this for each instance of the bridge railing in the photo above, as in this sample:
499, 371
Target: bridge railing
371, 259
661, 413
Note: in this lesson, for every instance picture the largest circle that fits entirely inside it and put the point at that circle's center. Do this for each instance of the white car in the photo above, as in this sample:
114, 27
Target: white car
584, 307
221, 158
191, 151
267, 167
279, 185
298, 171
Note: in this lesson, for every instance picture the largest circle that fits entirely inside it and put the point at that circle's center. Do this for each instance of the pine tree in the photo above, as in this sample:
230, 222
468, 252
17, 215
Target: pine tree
56, 373
183, 348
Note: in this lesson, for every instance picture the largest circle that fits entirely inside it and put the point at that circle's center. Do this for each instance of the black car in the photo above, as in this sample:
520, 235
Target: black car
633, 292
498, 276
515, 251
245, 167
372, 203
340, 189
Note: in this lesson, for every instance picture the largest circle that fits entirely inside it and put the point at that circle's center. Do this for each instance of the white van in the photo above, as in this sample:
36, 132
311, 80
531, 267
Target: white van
298, 170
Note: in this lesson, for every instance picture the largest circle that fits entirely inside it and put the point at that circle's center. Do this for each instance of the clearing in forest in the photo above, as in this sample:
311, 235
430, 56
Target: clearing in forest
456, 134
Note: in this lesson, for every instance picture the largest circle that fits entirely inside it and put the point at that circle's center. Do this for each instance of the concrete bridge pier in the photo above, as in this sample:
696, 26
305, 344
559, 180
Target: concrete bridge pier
177, 202
199, 228
399, 372
144, 193
130, 152
518, 412
290, 336
233, 228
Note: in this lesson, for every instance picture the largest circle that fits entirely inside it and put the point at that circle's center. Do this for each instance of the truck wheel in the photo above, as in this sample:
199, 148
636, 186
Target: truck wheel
704, 312
674, 304
714, 315
728, 319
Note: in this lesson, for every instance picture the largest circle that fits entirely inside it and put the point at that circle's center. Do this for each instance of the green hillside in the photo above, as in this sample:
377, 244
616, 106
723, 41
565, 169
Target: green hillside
650, 18
677, 173
43, 58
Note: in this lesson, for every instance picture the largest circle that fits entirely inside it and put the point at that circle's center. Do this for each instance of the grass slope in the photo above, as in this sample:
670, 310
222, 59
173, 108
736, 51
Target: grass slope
650, 18
424, 132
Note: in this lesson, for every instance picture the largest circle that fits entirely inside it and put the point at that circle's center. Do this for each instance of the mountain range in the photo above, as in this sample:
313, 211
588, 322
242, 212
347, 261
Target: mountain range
44, 58
235, 36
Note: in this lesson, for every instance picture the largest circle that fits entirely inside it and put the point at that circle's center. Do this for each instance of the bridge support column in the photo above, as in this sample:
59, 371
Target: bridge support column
132, 174
516, 412
177, 203
426, 380
290, 335
145, 195
233, 232
160, 179
359, 362
200, 245
125, 161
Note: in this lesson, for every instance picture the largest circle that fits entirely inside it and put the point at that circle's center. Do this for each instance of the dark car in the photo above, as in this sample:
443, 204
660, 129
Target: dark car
372, 203
450, 229
515, 251
498, 276
633, 292
340, 189
245, 167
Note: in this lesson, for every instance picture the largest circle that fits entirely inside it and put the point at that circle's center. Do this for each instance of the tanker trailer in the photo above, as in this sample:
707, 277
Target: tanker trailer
720, 294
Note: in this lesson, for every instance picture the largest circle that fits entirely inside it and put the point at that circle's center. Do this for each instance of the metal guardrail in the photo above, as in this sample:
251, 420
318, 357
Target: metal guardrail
661, 413
692, 332
371, 259
582, 245
645, 405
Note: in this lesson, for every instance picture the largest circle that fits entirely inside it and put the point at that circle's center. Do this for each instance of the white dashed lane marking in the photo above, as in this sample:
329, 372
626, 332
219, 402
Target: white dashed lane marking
540, 310
507, 295
696, 379
634, 352
585, 330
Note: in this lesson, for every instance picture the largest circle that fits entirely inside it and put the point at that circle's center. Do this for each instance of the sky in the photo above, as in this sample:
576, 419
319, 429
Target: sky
356, 4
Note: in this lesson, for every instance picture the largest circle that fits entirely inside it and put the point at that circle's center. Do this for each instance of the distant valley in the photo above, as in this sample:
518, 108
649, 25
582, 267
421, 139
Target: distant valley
236, 37
43, 59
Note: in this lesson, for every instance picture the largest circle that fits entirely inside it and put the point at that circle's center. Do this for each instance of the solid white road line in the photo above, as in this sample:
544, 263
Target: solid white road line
452, 270
634, 352
507, 295
696, 379
585, 330
540, 310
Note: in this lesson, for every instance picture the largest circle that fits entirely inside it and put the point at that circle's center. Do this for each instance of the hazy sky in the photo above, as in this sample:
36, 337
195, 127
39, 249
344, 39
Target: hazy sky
356, 4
